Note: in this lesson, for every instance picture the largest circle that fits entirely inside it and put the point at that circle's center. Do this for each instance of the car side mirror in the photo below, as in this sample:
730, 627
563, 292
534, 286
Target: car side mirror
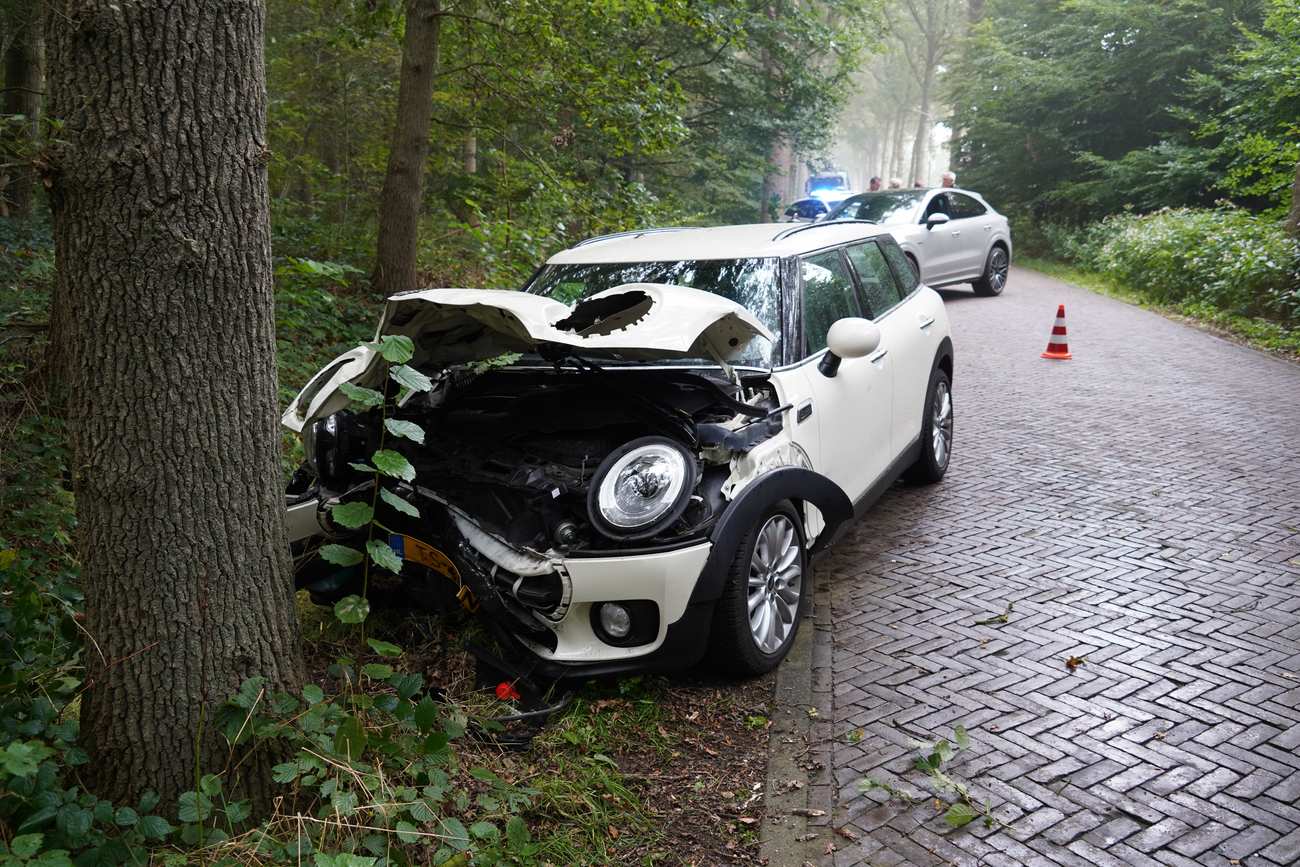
935, 219
848, 338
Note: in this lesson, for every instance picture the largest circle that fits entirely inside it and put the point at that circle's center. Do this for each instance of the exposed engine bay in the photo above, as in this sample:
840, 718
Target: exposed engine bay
523, 466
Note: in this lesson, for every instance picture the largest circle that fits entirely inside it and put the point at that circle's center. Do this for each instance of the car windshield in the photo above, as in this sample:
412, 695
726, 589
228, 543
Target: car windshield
751, 283
894, 206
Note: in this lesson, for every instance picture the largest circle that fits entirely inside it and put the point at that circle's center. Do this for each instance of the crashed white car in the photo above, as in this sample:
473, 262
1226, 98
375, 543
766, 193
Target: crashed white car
950, 235
629, 464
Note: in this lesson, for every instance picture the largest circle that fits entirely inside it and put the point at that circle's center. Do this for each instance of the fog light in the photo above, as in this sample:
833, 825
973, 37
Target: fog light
615, 620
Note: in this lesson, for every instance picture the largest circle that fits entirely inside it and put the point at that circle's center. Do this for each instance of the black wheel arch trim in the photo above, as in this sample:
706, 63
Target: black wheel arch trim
944, 351
785, 483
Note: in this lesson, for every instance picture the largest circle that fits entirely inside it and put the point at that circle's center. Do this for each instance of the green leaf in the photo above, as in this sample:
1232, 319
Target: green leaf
341, 555
352, 515
313, 694
484, 830
345, 803
352, 609
285, 772
421, 812
148, 801
409, 377
426, 714
394, 464
408, 429
237, 811
407, 833
517, 833
384, 556
962, 738
377, 670
362, 396
154, 827
398, 503
210, 784
960, 814
454, 832
383, 648
407, 683
126, 817
350, 739
362, 468
22, 759
74, 821
395, 348
27, 845
193, 807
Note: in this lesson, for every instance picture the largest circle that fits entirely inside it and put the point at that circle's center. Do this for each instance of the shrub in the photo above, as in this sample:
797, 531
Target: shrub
1227, 258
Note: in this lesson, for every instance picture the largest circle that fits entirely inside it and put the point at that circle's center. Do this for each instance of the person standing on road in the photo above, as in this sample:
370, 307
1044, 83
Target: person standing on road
873, 185
949, 179
895, 184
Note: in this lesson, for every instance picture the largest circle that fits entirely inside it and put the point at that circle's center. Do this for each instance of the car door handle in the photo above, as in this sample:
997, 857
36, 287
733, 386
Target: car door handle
956, 234
924, 322
877, 355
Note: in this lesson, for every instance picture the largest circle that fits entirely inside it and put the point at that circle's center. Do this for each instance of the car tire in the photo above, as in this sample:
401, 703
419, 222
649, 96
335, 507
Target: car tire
996, 269
936, 432
777, 537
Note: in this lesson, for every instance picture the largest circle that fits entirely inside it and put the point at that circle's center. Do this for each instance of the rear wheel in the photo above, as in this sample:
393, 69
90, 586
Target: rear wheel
757, 618
936, 432
996, 268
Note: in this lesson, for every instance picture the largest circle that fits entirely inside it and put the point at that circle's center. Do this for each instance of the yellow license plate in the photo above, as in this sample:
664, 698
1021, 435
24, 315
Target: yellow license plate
426, 555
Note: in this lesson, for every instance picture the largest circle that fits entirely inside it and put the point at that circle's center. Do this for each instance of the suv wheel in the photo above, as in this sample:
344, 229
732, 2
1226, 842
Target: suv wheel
936, 432
765, 597
994, 278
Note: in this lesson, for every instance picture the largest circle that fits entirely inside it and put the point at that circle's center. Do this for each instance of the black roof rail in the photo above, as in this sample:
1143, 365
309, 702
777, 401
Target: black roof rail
634, 233
785, 233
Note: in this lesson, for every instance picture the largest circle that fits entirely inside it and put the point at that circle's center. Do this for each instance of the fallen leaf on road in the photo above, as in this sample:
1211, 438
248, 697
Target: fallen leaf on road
747, 820
847, 834
1074, 662
804, 811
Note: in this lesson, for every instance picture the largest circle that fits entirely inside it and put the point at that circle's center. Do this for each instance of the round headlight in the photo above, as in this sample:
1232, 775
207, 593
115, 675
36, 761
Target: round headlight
641, 488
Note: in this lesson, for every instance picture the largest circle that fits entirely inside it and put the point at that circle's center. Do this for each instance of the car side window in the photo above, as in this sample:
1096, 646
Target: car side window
904, 273
938, 205
962, 206
874, 276
828, 296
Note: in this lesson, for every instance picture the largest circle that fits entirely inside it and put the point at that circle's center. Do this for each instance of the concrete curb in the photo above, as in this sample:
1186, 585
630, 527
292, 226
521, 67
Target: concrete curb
799, 794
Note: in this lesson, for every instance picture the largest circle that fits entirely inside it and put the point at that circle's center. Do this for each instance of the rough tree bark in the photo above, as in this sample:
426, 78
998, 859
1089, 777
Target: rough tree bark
1293, 218
24, 83
399, 202
162, 241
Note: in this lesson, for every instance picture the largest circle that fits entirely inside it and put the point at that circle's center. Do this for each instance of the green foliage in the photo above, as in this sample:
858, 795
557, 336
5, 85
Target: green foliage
1070, 110
1226, 259
932, 761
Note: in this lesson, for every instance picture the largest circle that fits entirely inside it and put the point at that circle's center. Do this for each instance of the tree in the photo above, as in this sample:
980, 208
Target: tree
23, 85
927, 36
403, 192
159, 203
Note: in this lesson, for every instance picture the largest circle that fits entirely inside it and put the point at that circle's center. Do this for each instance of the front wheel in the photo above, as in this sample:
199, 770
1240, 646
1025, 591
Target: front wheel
994, 278
936, 432
765, 596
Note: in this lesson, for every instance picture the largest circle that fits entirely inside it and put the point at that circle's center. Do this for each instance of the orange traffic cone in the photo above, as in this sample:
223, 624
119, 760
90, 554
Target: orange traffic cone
1057, 347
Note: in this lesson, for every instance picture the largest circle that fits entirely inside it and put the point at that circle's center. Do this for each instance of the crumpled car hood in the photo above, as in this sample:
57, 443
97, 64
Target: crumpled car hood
635, 321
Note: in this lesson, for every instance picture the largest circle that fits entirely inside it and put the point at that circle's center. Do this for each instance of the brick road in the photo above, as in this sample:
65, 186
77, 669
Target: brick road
1137, 507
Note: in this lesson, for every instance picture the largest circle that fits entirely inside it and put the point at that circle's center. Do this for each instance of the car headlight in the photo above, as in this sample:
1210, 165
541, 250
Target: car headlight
641, 488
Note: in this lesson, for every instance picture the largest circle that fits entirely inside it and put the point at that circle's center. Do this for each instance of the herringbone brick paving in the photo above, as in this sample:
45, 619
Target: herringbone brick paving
1137, 507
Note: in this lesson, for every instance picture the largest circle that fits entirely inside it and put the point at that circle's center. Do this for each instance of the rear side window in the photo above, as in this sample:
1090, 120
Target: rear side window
938, 205
876, 278
828, 296
962, 206
904, 273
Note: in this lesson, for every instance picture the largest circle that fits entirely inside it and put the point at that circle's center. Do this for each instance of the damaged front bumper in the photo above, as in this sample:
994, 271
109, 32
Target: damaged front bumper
562, 635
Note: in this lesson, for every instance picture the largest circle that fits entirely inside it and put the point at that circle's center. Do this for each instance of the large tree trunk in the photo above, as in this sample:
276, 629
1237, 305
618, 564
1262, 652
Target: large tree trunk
924, 127
1293, 218
162, 242
399, 202
24, 83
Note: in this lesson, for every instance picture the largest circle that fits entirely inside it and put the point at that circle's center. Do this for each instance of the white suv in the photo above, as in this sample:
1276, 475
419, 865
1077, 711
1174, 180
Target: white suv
629, 464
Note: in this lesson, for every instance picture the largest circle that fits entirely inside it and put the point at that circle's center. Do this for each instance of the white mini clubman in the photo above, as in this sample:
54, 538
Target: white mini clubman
629, 464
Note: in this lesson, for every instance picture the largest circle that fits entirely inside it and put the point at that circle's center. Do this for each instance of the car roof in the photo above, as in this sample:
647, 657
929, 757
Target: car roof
757, 240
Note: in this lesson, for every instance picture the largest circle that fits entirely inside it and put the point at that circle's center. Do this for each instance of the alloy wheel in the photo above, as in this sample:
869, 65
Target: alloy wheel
998, 267
775, 582
941, 424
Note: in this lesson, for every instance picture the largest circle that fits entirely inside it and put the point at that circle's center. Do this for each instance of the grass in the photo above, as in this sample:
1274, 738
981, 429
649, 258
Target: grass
1262, 334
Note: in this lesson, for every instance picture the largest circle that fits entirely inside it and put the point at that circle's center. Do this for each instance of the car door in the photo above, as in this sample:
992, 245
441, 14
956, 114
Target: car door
854, 408
913, 326
939, 245
974, 233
